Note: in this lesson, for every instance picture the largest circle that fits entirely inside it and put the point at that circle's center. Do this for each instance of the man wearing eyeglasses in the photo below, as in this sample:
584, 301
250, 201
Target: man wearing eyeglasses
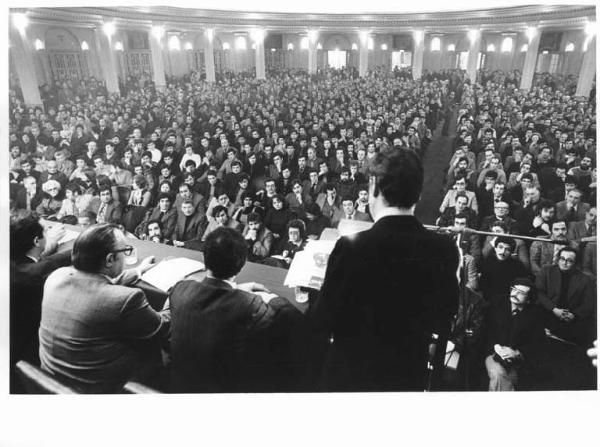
568, 297
96, 331
514, 331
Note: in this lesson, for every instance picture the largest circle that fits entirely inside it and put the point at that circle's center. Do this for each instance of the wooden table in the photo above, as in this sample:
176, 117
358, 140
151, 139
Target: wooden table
271, 277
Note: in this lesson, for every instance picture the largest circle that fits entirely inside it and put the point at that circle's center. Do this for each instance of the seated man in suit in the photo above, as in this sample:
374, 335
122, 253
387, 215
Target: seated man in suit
32, 259
568, 297
514, 330
572, 209
190, 226
546, 253
520, 253
107, 210
501, 213
351, 213
223, 332
95, 330
583, 229
258, 237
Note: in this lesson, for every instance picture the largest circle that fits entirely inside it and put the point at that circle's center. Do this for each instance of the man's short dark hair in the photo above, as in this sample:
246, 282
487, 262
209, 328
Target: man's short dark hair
545, 204
570, 250
399, 177
254, 217
23, 230
506, 240
154, 221
92, 246
225, 252
217, 209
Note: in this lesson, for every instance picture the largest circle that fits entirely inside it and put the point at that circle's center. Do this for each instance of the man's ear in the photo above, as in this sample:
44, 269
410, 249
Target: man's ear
109, 260
36, 241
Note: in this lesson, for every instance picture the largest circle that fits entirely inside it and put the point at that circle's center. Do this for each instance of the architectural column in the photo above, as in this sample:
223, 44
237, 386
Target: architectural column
22, 59
588, 70
107, 60
209, 55
157, 43
419, 48
363, 53
472, 59
531, 56
312, 51
259, 54
44, 59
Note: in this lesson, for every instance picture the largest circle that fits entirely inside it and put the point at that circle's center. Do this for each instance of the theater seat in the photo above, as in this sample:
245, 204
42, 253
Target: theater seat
138, 388
36, 381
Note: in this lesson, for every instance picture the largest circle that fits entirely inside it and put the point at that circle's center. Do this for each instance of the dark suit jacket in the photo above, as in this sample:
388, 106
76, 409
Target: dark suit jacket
562, 212
27, 280
228, 340
581, 296
385, 291
523, 332
195, 228
113, 213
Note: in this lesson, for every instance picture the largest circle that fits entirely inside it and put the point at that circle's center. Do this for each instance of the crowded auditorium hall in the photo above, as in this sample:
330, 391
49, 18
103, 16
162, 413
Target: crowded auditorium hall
207, 201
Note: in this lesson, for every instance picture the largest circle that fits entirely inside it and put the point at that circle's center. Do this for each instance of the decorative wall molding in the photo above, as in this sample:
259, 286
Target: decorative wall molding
190, 19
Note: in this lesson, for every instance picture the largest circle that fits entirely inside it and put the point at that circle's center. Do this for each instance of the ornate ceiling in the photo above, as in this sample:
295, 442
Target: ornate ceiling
514, 18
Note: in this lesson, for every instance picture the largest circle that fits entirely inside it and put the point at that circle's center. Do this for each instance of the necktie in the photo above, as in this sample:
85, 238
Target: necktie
101, 213
299, 198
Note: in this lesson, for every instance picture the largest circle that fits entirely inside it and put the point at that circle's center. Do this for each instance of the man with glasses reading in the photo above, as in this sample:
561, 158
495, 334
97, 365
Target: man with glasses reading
95, 327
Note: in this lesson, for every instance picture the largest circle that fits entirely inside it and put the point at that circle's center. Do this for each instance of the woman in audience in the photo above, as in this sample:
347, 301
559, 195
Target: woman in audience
277, 217
288, 247
138, 203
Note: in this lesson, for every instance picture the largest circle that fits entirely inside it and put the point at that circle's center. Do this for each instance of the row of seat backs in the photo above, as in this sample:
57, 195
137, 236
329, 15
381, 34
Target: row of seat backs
36, 381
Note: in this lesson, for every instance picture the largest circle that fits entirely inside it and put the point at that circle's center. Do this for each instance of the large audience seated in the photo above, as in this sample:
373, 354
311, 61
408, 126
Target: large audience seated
278, 161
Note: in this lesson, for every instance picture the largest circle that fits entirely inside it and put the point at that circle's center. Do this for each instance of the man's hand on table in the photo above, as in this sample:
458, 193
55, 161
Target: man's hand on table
145, 265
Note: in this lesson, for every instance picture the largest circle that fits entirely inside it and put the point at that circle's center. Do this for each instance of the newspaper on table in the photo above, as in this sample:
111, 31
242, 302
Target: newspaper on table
309, 265
167, 273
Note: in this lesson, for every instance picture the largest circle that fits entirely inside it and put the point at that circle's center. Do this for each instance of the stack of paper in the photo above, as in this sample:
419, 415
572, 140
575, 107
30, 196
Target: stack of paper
168, 273
308, 266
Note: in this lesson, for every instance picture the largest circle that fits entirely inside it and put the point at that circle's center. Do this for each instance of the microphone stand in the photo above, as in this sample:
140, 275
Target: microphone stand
490, 233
